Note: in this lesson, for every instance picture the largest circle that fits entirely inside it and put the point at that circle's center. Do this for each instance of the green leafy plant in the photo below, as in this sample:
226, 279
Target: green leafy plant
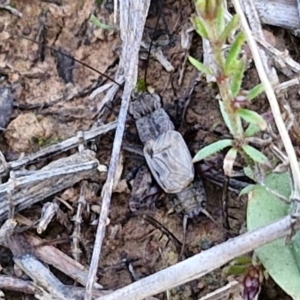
99, 24
140, 85
281, 260
210, 25
268, 199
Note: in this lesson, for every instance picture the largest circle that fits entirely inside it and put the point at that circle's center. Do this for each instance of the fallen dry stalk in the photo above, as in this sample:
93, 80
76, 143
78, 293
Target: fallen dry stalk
280, 13
34, 186
133, 15
59, 260
81, 137
44, 278
15, 284
28, 252
202, 263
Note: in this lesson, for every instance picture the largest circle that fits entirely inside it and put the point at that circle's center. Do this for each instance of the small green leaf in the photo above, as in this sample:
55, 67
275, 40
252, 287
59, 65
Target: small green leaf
200, 7
235, 270
236, 120
277, 257
255, 155
241, 260
249, 172
252, 117
199, 66
230, 27
99, 24
200, 26
237, 75
246, 190
251, 130
140, 85
220, 19
225, 116
254, 92
234, 51
229, 161
211, 8
212, 149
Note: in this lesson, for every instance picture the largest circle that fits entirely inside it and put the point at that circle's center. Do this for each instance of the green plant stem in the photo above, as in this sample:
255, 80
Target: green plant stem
223, 82
234, 119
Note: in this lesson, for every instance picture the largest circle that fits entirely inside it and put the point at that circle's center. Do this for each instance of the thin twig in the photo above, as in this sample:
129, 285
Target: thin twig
62, 146
52, 256
42, 276
133, 15
279, 13
257, 31
49, 210
232, 290
11, 10
283, 60
78, 220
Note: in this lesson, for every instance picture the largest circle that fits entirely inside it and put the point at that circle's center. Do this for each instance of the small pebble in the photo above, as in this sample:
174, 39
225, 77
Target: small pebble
6, 106
26, 30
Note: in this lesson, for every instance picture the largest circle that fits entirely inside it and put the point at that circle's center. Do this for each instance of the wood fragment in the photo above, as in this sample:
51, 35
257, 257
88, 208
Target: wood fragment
283, 60
6, 230
26, 190
231, 291
26, 251
257, 31
4, 5
57, 148
77, 219
49, 210
159, 56
16, 284
42, 276
280, 13
56, 258
10, 283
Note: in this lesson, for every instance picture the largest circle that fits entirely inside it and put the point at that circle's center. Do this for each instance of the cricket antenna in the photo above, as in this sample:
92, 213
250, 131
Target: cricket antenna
65, 54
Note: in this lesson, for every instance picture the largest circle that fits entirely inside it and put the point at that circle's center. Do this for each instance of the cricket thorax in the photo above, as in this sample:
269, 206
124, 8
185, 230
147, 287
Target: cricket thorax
167, 155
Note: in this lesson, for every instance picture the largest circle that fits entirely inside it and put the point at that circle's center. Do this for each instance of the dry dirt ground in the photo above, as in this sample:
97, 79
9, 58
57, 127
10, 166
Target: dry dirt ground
48, 110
